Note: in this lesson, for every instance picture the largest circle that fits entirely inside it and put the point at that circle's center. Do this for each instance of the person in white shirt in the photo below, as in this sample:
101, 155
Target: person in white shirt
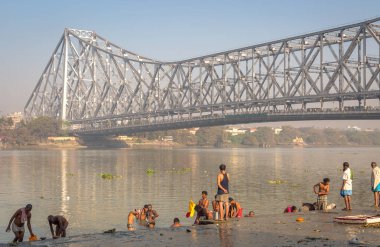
375, 183
346, 189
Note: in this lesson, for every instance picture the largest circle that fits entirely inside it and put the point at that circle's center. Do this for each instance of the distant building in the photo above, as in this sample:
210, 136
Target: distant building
277, 131
193, 131
61, 138
167, 138
298, 141
125, 138
353, 128
16, 117
252, 130
235, 131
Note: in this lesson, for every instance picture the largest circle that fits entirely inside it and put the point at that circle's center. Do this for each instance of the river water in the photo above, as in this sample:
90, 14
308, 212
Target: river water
68, 182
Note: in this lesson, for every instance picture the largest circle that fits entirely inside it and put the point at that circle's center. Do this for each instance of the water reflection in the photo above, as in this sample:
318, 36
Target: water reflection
64, 174
225, 236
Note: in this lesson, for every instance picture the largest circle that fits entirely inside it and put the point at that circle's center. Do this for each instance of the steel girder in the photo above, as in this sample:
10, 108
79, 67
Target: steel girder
92, 82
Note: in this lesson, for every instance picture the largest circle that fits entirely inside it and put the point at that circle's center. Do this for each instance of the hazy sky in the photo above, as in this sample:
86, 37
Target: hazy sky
165, 30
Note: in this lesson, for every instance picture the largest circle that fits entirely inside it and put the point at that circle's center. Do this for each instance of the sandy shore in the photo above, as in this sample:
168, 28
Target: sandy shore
318, 229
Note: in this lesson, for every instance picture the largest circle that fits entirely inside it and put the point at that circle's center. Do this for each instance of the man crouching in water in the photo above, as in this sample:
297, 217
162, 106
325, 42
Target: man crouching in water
18, 220
61, 225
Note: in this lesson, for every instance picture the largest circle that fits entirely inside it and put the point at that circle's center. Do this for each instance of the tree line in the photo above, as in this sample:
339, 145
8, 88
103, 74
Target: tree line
38, 129
265, 136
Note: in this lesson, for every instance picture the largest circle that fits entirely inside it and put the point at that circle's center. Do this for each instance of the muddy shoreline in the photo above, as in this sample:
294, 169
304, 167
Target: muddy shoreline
318, 229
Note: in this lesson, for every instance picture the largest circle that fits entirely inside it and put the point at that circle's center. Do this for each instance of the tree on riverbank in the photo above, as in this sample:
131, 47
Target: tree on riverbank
34, 131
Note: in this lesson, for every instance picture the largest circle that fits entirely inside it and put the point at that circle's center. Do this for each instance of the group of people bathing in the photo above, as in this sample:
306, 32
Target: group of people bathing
145, 216
23, 215
223, 207
322, 189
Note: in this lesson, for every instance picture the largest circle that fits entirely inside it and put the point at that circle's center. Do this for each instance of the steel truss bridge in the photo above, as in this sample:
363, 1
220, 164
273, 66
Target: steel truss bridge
103, 89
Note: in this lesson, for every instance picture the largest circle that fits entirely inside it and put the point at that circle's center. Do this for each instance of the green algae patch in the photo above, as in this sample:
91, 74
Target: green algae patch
109, 176
150, 171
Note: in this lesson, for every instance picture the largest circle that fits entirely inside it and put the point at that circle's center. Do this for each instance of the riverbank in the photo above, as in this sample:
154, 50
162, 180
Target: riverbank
318, 229
161, 144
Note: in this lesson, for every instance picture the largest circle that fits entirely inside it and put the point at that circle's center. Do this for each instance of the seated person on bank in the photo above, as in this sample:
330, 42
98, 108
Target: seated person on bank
322, 189
61, 225
215, 208
235, 208
202, 208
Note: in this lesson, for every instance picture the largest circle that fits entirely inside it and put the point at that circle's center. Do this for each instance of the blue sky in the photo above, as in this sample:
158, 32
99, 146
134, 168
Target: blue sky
164, 30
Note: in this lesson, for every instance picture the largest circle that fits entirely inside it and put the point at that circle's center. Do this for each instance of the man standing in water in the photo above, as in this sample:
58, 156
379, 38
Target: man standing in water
131, 218
322, 190
346, 189
151, 216
222, 194
18, 220
61, 225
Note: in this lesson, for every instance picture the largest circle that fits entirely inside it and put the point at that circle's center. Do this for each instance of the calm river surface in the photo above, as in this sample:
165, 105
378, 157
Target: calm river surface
68, 182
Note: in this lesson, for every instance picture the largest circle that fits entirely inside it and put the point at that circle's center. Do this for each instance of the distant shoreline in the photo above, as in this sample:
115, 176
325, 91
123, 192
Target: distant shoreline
161, 144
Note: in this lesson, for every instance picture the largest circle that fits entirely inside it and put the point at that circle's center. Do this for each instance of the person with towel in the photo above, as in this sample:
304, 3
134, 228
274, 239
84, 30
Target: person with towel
18, 220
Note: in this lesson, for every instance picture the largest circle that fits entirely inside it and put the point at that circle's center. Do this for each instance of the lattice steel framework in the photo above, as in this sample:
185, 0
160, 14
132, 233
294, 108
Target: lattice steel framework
90, 81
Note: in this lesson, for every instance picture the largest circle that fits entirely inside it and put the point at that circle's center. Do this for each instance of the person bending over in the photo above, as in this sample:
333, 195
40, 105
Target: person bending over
235, 208
61, 225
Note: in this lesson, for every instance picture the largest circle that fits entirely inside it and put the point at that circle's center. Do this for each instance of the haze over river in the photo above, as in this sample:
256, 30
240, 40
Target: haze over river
68, 182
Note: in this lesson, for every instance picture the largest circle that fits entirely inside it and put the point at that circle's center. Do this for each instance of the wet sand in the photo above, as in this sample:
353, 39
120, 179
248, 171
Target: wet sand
318, 229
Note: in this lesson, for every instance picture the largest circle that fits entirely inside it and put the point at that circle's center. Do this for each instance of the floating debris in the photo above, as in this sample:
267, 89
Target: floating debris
109, 176
300, 219
150, 171
277, 181
179, 171
110, 231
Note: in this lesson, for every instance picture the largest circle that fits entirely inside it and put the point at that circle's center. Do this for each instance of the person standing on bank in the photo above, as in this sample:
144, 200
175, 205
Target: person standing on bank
346, 189
375, 182
19, 218
222, 195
